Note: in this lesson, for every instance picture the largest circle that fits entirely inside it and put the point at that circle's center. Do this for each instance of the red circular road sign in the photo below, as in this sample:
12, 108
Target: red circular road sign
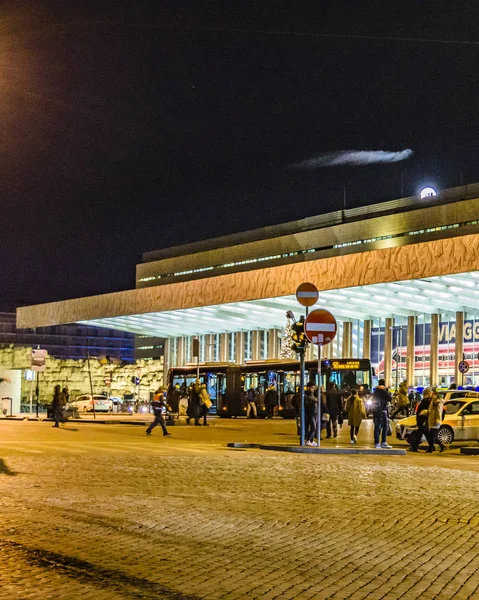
307, 294
320, 327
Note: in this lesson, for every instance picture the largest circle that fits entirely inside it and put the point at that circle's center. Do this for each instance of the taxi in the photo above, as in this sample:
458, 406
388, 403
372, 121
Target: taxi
460, 422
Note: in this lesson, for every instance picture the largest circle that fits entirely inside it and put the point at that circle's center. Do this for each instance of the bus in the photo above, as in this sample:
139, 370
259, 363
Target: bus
227, 383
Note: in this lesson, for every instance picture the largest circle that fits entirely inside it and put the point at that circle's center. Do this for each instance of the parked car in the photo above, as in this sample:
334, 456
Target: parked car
85, 402
460, 422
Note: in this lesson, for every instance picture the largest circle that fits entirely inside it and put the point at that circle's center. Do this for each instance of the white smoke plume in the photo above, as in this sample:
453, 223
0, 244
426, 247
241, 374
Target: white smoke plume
352, 157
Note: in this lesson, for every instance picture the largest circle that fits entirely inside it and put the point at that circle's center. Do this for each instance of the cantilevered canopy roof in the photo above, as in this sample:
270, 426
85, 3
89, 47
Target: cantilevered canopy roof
402, 298
410, 279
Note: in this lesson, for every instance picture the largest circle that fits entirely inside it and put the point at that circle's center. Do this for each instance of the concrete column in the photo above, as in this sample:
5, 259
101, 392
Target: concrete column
388, 339
458, 377
209, 340
410, 344
326, 350
224, 350
434, 350
180, 352
347, 339
239, 347
273, 350
256, 345
166, 360
367, 326
310, 352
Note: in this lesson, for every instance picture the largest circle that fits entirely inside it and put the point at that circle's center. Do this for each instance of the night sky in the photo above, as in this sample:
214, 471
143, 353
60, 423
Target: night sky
131, 126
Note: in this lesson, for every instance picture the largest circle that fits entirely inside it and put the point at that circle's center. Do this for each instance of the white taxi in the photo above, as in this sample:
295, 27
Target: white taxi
460, 422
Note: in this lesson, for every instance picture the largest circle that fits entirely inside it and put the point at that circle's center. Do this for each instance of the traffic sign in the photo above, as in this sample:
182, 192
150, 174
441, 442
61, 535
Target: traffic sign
463, 366
320, 327
307, 294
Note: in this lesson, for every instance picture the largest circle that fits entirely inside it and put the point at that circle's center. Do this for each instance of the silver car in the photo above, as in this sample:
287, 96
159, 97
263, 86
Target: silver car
85, 402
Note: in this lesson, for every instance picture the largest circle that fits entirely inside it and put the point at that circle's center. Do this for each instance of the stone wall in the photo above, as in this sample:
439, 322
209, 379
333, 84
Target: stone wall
75, 374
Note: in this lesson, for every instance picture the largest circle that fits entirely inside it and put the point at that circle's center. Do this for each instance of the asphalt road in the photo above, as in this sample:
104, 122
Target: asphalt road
103, 512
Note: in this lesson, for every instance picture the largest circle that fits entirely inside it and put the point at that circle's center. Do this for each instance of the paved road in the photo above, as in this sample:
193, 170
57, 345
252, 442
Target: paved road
103, 512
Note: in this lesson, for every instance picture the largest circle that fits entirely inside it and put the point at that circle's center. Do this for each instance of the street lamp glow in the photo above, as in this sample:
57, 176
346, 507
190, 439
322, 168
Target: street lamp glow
427, 192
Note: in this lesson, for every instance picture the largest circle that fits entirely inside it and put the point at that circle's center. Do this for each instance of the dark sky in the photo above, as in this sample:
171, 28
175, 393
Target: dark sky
130, 126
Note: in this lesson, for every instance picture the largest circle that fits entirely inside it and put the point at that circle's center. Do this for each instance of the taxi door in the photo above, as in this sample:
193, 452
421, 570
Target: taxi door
469, 422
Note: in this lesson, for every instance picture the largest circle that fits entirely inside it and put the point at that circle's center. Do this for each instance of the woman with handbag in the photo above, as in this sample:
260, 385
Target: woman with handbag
434, 419
356, 413
205, 404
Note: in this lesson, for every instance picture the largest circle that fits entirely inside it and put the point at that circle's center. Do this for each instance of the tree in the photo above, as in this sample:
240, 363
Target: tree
286, 342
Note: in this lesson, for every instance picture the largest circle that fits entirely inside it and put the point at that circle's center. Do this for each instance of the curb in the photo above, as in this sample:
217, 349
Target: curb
470, 451
312, 450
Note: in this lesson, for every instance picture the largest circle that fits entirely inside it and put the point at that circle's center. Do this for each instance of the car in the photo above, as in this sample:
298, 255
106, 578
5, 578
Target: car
84, 403
460, 422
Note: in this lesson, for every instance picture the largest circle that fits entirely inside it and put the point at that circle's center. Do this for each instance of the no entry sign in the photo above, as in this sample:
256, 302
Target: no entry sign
307, 294
320, 327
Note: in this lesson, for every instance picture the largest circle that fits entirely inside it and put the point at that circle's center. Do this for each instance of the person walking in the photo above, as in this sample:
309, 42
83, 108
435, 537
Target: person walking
251, 403
159, 410
356, 413
434, 420
310, 415
422, 415
193, 411
271, 400
334, 403
205, 404
402, 401
381, 399
58, 405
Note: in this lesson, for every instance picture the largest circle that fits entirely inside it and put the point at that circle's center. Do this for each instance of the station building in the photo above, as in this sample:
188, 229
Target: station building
401, 278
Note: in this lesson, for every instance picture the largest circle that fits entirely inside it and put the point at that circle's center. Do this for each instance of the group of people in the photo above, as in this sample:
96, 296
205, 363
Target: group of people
271, 399
334, 404
429, 416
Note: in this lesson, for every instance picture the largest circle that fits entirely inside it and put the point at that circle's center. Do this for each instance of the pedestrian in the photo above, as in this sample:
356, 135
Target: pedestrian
159, 410
251, 403
205, 404
356, 413
381, 399
434, 419
310, 414
66, 393
402, 401
334, 403
193, 411
271, 401
421, 421
58, 405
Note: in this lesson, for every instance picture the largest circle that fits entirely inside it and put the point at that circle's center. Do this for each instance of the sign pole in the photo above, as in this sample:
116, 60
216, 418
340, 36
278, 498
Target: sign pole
37, 391
319, 395
301, 387
91, 384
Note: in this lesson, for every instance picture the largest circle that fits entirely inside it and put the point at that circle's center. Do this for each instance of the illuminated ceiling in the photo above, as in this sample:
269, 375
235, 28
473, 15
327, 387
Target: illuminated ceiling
403, 298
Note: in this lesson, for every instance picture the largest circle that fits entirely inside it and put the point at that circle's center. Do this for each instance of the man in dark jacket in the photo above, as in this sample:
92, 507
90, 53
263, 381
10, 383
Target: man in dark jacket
421, 420
310, 414
335, 408
271, 400
381, 399
159, 410
58, 405
193, 411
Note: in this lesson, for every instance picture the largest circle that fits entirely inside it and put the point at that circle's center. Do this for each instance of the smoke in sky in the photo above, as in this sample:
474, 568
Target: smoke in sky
352, 157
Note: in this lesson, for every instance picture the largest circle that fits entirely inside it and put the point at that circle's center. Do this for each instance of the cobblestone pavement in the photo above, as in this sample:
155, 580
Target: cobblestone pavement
102, 512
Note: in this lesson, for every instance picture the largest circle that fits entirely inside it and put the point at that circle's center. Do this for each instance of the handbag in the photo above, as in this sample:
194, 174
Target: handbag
325, 417
207, 402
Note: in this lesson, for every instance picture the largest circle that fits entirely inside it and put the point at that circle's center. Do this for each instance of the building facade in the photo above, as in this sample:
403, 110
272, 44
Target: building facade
401, 277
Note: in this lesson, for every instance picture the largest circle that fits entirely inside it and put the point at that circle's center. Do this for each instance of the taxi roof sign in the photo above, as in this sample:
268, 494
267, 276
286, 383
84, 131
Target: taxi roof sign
307, 294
